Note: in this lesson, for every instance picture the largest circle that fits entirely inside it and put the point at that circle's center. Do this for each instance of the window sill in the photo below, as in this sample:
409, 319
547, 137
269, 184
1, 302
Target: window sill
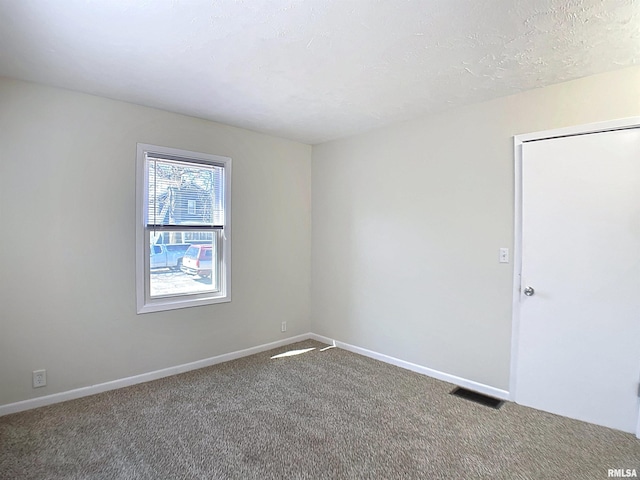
162, 304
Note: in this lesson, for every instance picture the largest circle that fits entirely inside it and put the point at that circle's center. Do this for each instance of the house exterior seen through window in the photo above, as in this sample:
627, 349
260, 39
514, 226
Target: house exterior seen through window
183, 228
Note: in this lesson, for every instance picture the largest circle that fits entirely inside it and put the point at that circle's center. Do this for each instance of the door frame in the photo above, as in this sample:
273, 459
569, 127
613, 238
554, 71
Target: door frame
518, 141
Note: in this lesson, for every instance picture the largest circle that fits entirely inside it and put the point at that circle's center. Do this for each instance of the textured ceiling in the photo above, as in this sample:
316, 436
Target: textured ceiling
313, 70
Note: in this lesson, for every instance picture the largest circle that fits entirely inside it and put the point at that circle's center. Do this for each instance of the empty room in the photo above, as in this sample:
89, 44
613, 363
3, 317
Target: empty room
319, 239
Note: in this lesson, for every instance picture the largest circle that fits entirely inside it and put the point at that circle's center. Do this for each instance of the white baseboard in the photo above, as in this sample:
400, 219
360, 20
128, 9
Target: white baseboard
167, 372
145, 377
446, 377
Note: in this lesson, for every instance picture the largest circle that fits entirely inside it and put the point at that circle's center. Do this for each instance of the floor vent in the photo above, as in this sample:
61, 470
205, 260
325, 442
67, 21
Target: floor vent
477, 397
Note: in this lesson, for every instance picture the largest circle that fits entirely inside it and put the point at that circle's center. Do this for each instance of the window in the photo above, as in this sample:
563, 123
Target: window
183, 229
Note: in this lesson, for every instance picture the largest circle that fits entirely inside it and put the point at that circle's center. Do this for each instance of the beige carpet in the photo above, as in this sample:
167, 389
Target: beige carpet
325, 414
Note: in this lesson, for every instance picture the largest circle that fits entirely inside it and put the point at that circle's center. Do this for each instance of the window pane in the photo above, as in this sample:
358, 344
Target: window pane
183, 263
183, 193
185, 198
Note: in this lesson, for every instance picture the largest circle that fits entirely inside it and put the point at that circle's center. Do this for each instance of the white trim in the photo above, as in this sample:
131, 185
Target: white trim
144, 377
517, 267
622, 123
445, 377
207, 362
518, 140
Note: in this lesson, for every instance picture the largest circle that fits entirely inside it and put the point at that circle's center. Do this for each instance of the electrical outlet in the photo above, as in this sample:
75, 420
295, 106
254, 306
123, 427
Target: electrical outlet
283, 328
39, 378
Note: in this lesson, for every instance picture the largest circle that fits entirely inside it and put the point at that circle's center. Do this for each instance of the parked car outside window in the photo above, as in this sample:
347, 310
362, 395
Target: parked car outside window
167, 256
198, 260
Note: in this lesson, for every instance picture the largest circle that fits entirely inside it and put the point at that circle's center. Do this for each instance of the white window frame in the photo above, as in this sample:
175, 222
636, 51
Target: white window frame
145, 303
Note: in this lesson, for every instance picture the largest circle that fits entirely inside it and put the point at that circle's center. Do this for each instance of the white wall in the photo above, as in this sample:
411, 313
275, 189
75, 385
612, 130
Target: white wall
67, 241
407, 222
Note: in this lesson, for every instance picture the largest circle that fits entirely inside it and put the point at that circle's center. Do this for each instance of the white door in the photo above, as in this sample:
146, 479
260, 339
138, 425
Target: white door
579, 331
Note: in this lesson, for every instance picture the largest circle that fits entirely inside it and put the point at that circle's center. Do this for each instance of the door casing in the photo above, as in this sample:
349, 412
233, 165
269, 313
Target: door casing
518, 141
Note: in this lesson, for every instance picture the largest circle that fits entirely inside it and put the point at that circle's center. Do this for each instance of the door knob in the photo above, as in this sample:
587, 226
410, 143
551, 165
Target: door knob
529, 291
